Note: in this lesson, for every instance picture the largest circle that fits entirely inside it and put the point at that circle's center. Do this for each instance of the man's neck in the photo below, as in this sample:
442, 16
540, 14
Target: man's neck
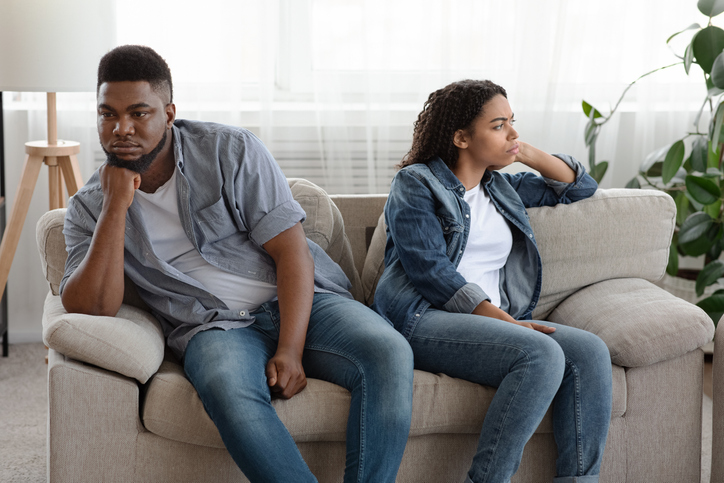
161, 170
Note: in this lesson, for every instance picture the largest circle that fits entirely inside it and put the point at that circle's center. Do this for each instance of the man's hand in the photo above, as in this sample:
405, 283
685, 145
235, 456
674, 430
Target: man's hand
119, 185
285, 375
486, 309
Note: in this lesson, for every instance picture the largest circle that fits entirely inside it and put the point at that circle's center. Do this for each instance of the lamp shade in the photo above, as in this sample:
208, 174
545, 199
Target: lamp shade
54, 45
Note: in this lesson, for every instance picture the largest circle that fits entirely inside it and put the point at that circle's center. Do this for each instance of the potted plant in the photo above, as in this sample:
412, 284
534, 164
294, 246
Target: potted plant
691, 169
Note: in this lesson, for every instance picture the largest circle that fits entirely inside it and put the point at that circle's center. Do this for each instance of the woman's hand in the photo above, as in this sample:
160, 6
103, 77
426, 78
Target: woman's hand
486, 309
546, 164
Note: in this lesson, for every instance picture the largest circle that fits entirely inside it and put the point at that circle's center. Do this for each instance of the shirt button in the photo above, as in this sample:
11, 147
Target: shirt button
530, 235
467, 216
242, 313
417, 315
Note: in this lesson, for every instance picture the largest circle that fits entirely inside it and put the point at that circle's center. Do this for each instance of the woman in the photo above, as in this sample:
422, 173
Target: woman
463, 275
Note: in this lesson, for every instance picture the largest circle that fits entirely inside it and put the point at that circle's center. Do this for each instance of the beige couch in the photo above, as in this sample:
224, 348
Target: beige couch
121, 410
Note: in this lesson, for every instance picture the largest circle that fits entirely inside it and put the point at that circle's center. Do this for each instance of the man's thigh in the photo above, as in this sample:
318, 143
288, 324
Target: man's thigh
346, 337
226, 364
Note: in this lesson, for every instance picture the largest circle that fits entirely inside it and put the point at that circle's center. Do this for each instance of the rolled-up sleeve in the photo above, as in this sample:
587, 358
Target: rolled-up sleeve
537, 190
466, 299
263, 196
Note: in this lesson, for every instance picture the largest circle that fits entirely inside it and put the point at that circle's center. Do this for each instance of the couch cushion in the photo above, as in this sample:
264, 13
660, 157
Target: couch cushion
617, 233
375, 261
640, 323
441, 404
325, 227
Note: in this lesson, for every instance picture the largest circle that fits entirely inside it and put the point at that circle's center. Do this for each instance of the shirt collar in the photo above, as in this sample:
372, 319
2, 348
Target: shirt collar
177, 151
449, 180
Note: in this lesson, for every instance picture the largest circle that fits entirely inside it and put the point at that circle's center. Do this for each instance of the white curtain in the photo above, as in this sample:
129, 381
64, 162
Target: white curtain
333, 87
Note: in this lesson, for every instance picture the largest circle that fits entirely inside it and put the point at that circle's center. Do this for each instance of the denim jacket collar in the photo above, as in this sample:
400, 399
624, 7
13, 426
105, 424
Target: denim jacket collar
445, 175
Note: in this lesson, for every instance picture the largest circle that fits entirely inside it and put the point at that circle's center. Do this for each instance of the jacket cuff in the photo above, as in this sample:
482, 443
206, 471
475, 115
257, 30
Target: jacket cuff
559, 186
466, 299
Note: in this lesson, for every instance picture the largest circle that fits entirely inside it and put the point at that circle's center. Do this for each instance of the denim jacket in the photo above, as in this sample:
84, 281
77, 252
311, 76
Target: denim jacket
428, 223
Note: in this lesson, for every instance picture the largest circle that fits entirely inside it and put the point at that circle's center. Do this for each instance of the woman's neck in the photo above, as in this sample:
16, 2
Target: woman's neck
468, 174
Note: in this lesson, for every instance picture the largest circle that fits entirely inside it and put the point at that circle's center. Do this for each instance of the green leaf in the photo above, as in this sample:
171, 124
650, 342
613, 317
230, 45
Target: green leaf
716, 249
688, 57
598, 171
713, 306
717, 71
698, 154
713, 209
711, 8
712, 272
673, 161
703, 190
682, 207
696, 225
634, 183
587, 110
591, 133
690, 27
702, 244
655, 169
707, 45
673, 266
712, 154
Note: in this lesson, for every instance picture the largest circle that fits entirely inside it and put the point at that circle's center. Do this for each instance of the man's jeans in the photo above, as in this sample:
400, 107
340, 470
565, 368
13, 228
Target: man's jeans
569, 368
347, 344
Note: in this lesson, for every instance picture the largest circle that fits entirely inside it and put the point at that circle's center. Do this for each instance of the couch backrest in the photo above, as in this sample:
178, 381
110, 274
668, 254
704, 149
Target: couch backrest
324, 225
617, 233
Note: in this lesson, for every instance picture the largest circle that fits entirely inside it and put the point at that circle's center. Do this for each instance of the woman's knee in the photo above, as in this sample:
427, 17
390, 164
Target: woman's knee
586, 349
546, 357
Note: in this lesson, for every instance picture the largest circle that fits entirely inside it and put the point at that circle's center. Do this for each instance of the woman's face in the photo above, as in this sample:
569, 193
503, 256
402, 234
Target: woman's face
492, 141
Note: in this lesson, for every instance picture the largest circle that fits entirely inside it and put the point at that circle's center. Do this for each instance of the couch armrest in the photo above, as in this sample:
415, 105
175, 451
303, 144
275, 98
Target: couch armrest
131, 343
717, 446
640, 323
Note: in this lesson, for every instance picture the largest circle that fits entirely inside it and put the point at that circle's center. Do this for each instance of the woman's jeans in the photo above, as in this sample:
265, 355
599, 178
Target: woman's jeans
569, 368
347, 344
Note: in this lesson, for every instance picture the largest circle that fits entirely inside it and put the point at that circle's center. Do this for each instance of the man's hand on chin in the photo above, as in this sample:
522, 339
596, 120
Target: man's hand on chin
119, 185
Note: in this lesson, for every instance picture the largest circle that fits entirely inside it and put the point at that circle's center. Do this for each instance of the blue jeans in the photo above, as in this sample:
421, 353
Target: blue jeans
347, 344
569, 368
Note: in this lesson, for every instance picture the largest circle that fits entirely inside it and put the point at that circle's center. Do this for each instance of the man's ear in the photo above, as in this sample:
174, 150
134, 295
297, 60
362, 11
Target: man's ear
460, 139
170, 114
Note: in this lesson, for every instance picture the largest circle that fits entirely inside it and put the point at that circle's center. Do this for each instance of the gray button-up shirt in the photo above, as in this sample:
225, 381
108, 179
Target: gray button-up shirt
232, 198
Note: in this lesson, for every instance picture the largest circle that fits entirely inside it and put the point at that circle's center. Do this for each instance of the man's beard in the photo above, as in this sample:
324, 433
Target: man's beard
139, 165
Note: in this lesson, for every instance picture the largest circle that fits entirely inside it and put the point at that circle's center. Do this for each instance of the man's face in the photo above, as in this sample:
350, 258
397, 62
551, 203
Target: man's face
133, 121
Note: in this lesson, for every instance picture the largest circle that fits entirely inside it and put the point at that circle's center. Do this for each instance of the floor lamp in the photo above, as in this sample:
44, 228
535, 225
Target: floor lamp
49, 46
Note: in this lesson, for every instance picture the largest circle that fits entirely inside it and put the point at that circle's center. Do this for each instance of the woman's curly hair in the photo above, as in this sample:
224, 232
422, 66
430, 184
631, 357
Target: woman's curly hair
447, 110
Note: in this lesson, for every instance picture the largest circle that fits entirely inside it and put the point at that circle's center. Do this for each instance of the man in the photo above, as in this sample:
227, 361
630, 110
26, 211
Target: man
201, 219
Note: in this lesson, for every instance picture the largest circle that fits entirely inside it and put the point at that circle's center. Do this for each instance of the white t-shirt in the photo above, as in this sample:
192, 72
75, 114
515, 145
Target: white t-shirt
488, 246
170, 243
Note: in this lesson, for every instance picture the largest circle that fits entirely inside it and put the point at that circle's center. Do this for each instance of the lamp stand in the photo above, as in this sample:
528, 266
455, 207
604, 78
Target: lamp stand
62, 162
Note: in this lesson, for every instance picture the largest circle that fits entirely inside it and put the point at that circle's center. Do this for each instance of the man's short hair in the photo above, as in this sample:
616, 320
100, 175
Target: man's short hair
136, 63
